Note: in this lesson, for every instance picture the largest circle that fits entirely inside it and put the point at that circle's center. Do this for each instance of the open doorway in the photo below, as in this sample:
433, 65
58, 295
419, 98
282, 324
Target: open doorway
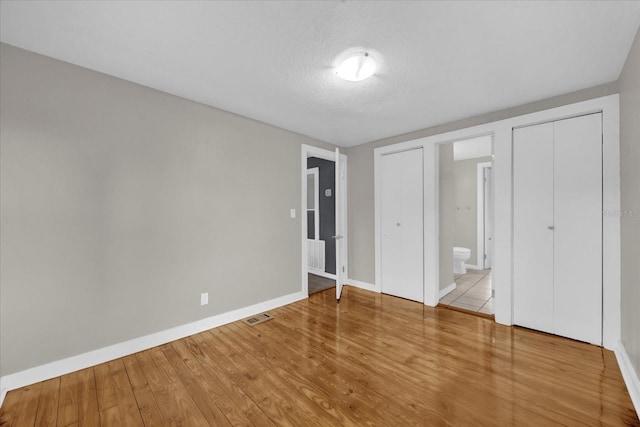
321, 224
324, 246
466, 224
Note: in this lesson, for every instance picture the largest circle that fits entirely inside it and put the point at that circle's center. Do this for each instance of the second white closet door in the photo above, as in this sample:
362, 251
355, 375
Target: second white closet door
577, 240
557, 227
401, 223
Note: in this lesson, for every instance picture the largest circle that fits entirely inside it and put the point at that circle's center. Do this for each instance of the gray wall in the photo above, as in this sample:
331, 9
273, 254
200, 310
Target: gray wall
465, 232
121, 204
630, 201
361, 176
447, 206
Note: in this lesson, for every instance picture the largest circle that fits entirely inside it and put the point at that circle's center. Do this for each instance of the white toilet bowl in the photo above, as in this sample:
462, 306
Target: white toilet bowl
460, 255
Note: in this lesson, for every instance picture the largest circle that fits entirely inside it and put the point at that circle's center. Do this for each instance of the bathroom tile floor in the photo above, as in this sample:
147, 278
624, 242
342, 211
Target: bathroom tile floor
472, 292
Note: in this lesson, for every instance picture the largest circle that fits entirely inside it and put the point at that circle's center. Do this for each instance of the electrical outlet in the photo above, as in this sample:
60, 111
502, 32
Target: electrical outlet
204, 298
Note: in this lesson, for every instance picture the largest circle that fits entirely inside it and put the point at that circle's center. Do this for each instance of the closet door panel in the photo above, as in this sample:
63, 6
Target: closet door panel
578, 228
532, 238
401, 222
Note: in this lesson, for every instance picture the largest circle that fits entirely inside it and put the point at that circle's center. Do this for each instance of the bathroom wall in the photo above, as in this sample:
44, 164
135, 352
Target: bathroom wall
447, 207
465, 183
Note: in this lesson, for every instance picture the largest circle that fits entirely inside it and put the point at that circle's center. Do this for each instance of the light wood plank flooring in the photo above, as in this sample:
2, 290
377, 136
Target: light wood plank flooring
369, 360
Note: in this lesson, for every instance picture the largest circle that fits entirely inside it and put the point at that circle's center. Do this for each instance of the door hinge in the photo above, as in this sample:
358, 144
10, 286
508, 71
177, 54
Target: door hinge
343, 268
485, 256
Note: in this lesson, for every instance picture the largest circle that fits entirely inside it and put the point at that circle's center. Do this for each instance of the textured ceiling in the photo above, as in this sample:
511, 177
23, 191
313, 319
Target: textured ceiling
272, 61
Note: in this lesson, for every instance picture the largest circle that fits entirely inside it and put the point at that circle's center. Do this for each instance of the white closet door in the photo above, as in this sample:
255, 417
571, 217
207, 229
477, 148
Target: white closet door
533, 227
401, 222
578, 228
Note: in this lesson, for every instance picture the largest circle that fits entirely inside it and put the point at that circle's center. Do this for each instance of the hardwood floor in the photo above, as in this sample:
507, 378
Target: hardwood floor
369, 360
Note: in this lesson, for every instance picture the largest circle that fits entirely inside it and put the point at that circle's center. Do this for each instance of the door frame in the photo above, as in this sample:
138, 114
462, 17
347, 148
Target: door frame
311, 151
480, 216
502, 271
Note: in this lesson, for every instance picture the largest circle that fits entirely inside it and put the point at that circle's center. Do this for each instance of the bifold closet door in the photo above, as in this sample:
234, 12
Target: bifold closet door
557, 227
577, 243
401, 224
532, 219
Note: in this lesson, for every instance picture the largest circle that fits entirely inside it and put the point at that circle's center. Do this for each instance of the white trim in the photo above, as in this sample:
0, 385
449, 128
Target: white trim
345, 218
444, 292
480, 260
316, 202
503, 206
474, 267
125, 348
631, 378
361, 285
322, 274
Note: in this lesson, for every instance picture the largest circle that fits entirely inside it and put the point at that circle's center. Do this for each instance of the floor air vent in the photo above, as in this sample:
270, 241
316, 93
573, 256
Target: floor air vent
258, 318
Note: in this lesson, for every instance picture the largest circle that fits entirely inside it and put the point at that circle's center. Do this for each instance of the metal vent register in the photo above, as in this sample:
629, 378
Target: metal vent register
258, 318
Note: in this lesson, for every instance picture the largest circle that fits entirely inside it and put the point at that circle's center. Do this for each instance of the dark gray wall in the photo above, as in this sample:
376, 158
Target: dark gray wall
327, 180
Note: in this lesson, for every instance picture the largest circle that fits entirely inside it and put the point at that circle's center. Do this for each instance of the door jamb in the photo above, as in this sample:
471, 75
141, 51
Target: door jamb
480, 260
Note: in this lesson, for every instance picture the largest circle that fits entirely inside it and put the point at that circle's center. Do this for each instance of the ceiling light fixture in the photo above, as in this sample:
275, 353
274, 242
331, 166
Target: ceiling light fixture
356, 67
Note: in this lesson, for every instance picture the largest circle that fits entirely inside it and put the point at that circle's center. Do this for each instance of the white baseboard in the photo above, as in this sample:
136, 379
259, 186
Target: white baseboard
322, 274
474, 267
447, 290
125, 348
361, 285
631, 378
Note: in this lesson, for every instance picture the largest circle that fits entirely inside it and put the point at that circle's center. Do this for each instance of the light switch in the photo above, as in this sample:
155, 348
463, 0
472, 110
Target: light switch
327, 192
292, 213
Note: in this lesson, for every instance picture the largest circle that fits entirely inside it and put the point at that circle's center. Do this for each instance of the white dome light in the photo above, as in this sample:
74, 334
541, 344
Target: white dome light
357, 66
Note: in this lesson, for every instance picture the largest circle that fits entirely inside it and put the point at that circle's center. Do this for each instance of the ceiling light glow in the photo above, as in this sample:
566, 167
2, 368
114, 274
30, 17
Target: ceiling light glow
356, 67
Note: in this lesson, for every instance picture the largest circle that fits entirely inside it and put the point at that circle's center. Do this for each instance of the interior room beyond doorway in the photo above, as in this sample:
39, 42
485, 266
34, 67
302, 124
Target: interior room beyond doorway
466, 224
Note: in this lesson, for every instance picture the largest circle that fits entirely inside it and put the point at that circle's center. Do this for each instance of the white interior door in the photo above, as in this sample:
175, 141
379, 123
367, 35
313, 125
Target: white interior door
340, 192
557, 246
488, 219
533, 227
401, 222
577, 211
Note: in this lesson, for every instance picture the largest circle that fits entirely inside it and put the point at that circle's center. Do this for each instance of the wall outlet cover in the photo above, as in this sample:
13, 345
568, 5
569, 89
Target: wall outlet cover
204, 298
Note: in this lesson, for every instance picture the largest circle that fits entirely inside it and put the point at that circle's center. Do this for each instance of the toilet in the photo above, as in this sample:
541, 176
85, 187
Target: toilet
460, 255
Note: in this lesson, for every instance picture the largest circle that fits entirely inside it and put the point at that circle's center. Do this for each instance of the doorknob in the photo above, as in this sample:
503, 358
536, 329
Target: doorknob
398, 224
551, 227
337, 236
